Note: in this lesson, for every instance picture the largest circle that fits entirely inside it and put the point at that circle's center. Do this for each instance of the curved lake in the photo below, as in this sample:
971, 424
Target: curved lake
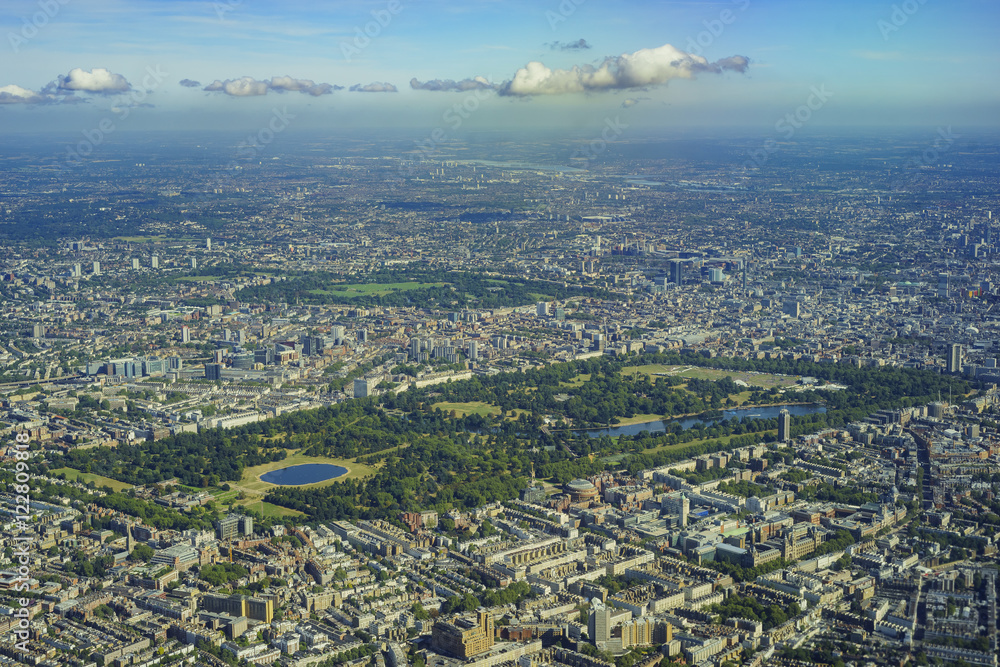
769, 412
307, 473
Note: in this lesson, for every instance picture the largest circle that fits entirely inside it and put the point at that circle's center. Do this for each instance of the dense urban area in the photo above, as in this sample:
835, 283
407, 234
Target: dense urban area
495, 402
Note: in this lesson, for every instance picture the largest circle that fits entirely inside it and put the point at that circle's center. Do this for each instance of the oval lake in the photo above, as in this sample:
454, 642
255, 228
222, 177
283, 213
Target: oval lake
307, 473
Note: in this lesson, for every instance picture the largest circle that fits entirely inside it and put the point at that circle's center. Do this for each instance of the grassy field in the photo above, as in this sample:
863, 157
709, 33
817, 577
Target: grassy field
577, 381
472, 408
478, 408
638, 419
84, 477
765, 380
372, 289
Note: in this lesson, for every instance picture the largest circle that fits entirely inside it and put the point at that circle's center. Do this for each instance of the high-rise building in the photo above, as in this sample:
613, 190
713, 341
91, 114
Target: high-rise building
792, 308
542, 309
135, 263
174, 363
473, 350
185, 334
213, 371
97, 268
677, 271
194, 262
599, 623
716, 276
77, 270
364, 387
784, 426
155, 262
208, 243
954, 364
337, 333
311, 345
677, 504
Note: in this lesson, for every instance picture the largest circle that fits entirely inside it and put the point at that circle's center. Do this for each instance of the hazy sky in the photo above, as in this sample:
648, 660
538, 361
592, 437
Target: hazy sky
67, 65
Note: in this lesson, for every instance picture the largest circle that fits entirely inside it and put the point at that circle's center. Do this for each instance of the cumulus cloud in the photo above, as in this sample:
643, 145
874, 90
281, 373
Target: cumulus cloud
283, 84
14, 94
247, 86
645, 67
99, 81
579, 45
375, 87
189, 83
438, 85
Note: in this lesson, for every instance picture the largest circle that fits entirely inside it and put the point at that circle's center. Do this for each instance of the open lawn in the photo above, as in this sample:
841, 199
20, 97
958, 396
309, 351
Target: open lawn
84, 477
267, 509
765, 380
372, 289
577, 381
638, 419
471, 408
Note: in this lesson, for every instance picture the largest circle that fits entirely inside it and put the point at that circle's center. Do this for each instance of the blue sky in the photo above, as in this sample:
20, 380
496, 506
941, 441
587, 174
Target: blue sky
876, 63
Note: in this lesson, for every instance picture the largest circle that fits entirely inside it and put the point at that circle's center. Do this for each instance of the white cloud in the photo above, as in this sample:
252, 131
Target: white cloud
438, 85
645, 67
244, 86
376, 87
247, 86
14, 94
98, 80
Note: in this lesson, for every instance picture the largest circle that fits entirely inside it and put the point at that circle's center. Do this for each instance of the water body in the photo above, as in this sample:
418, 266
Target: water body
769, 412
307, 473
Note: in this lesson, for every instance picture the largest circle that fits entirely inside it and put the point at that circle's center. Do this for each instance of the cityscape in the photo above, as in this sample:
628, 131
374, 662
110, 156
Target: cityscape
563, 364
